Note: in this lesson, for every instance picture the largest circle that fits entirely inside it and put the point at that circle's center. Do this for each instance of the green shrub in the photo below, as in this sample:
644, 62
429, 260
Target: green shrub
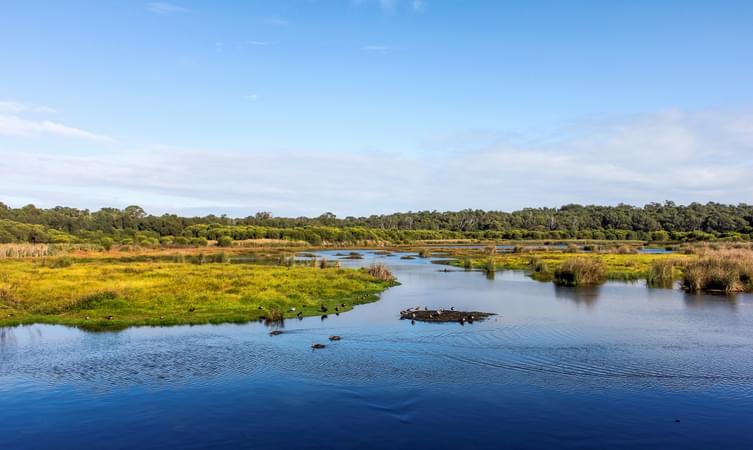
225, 241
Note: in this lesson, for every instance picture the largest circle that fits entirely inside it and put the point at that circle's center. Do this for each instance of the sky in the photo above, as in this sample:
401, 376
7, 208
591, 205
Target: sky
362, 107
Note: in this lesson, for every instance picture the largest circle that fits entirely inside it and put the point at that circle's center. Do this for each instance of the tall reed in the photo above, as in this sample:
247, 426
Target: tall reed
580, 271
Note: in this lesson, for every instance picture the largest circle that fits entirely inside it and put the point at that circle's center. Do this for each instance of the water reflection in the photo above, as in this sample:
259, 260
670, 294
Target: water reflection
711, 301
580, 295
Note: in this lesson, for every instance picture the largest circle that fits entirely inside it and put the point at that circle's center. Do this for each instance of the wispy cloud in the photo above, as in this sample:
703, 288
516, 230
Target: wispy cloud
258, 43
676, 155
390, 6
376, 48
165, 9
17, 107
13, 123
276, 21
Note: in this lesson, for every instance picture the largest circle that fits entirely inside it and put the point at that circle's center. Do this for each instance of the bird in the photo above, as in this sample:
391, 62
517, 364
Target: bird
323, 308
334, 338
412, 322
109, 317
452, 308
316, 346
275, 332
337, 309
299, 315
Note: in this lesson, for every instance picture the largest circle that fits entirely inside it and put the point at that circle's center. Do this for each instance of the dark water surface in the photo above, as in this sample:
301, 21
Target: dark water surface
619, 366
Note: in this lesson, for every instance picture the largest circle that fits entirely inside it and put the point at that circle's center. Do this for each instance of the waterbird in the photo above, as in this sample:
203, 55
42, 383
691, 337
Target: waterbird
452, 308
323, 308
109, 317
275, 332
316, 346
334, 337
300, 314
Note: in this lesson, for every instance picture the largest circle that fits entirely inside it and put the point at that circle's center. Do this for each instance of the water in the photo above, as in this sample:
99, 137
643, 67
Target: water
619, 366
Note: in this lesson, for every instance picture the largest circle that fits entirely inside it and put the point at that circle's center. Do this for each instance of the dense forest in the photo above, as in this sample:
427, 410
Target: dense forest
132, 225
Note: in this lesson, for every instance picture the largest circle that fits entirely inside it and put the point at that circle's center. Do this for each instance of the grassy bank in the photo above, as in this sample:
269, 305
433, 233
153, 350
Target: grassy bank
112, 294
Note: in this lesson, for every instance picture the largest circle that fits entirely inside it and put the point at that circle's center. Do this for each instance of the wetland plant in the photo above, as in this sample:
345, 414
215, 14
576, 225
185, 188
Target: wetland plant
581, 271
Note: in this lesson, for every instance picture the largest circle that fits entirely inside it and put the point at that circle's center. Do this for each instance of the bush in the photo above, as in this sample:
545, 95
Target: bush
106, 243
199, 241
581, 271
381, 272
225, 241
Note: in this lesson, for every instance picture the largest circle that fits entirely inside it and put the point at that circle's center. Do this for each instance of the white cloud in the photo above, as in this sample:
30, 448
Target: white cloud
165, 9
390, 6
257, 43
670, 155
11, 125
17, 107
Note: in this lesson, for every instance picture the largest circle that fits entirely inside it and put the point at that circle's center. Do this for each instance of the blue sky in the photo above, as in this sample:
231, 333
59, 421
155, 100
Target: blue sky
371, 106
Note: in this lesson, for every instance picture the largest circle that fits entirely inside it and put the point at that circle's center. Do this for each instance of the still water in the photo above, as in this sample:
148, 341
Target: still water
619, 366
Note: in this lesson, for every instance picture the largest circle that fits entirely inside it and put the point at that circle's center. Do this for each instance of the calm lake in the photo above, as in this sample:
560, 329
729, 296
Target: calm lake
618, 366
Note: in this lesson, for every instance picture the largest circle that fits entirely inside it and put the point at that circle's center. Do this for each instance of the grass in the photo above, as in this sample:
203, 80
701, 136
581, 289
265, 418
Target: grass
381, 273
728, 270
542, 264
114, 294
581, 271
663, 273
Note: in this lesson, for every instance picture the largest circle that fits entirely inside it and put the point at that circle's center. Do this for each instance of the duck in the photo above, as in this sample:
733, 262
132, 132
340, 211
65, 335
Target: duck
299, 315
324, 316
323, 308
317, 346
334, 337
275, 332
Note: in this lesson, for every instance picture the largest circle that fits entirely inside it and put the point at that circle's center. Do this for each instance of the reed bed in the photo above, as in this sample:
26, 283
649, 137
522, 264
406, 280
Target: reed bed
662, 272
728, 270
381, 273
581, 271
12, 251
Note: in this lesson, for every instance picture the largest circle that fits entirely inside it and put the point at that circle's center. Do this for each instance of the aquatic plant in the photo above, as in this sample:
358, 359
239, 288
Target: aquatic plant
661, 273
381, 272
580, 271
721, 271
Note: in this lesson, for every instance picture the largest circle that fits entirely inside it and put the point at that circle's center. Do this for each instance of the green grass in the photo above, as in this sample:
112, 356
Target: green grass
543, 264
114, 294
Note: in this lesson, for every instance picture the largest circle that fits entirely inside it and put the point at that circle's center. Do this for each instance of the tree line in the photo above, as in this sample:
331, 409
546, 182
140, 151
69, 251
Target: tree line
655, 221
